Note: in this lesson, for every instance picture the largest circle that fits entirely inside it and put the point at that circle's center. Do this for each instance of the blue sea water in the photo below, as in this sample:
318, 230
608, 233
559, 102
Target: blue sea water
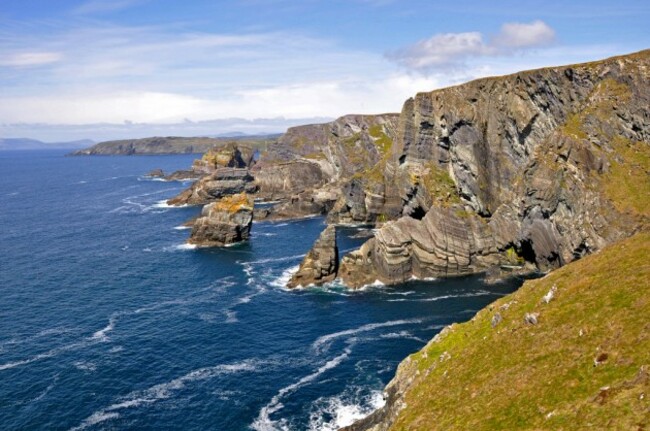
108, 322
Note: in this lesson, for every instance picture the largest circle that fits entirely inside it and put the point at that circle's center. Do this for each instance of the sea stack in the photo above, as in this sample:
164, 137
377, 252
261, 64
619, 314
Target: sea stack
321, 264
224, 222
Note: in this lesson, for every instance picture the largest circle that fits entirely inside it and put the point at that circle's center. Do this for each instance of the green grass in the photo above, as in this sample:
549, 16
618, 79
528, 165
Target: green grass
383, 142
542, 377
440, 186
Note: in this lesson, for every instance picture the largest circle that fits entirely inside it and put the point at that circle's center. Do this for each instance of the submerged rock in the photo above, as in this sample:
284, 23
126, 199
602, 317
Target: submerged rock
321, 264
224, 222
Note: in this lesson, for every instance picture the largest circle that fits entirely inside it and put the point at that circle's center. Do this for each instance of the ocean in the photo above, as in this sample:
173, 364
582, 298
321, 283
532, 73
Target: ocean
108, 321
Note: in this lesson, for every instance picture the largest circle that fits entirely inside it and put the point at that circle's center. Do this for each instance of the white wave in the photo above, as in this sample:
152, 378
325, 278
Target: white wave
231, 316
164, 205
46, 391
440, 298
98, 336
400, 292
41, 334
264, 421
85, 366
101, 334
163, 391
283, 279
156, 179
337, 412
147, 250
322, 343
49, 354
180, 247
402, 334
462, 295
280, 224
274, 259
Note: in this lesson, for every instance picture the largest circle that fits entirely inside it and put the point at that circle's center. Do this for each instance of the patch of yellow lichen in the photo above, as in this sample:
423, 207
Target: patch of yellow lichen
234, 203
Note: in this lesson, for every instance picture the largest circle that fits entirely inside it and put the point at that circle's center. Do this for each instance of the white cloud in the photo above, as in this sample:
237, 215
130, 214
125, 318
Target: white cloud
441, 50
300, 100
521, 35
453, 50
30, 59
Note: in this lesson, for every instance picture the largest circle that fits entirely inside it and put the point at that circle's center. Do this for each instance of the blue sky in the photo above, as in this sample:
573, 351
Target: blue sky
143, 67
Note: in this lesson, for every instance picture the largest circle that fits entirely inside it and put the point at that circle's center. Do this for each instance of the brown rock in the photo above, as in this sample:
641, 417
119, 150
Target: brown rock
321, 264
224, 222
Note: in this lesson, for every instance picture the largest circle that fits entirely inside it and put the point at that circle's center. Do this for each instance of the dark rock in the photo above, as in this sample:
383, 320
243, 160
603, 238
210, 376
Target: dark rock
321, 264
224, 222
156, 173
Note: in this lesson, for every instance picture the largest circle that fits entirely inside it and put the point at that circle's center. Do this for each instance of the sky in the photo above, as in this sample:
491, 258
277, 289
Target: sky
105, 69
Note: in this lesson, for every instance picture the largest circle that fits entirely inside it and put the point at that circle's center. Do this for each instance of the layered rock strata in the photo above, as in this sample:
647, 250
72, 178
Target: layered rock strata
321, 264
538, 163
224, 222
222, 182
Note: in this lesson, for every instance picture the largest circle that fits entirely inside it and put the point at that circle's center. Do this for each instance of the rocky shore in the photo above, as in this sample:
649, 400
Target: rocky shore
530, 172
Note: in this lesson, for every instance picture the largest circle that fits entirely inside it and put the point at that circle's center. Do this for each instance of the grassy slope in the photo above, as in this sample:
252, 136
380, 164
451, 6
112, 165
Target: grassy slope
521, 376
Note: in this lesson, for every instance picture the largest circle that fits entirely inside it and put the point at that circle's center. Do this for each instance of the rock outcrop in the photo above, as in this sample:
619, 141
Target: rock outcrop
222, 182
321, 264
224, 222
539, 163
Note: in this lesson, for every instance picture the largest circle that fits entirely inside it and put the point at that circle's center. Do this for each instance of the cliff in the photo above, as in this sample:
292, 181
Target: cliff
224, 222
170, 145
566, 351
543, 166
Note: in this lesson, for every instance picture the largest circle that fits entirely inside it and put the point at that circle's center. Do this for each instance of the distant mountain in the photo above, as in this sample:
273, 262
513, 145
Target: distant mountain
9, 144
170, 145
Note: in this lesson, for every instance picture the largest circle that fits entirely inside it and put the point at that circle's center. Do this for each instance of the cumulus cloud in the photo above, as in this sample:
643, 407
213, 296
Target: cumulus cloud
452, 50
523, 35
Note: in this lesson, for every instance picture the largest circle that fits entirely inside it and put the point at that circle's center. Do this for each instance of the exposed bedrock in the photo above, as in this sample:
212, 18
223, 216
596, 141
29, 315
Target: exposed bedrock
321, 264
542, 166
306, 204
224, 222
222, 182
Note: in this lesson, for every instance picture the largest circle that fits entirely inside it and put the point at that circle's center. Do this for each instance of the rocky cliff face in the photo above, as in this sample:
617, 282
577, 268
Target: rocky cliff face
224, 222
321, 264
541, 164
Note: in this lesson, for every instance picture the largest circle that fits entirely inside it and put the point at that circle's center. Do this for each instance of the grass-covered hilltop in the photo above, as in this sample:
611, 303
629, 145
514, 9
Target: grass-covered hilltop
568, 351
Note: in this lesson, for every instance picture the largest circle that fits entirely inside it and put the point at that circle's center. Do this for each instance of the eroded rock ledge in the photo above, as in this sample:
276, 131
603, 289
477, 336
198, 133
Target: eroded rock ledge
224, 222
321, 264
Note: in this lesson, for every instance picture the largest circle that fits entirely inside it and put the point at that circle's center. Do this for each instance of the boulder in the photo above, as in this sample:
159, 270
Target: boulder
321, 264
224, 222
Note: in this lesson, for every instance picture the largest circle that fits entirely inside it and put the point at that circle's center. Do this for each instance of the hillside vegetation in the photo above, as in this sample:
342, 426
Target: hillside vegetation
576, 358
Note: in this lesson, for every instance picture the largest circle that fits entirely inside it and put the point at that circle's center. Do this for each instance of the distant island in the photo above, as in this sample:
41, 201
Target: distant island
15, 144
172, 145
